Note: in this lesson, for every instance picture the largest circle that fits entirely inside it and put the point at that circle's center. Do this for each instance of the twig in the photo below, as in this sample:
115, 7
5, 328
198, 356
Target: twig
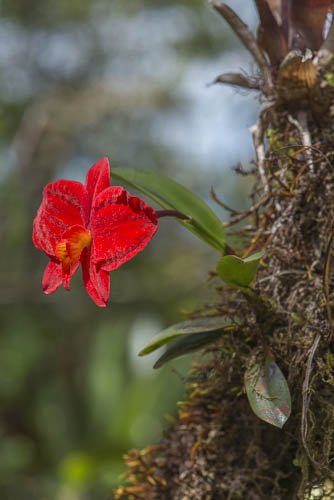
306, 138
284, 186
302, 127
257, 132
246, 37
248, 212
223, 204
237, 79
240, 170
281, 273
306, 397
246, 230
312, 147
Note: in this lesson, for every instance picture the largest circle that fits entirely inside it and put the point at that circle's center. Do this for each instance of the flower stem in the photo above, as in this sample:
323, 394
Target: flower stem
172, 213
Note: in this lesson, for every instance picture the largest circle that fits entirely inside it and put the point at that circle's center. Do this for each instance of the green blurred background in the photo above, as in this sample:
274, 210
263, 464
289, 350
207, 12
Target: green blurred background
81, 79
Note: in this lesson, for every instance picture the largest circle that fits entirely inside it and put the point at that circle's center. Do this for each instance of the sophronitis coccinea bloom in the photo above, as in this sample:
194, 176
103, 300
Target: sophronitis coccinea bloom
94, 225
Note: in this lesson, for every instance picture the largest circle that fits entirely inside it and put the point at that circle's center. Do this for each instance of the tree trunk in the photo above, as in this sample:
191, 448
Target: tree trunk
217, 448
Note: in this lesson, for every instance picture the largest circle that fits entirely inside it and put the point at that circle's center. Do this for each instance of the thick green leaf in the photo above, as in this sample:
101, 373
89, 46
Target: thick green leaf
187, 344
189, 327
239, 272
268, 392
171, 195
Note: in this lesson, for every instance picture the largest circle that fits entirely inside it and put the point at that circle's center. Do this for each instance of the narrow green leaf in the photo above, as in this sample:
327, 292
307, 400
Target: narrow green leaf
173, 196
189, 327
268, 392
187, 344
239, 272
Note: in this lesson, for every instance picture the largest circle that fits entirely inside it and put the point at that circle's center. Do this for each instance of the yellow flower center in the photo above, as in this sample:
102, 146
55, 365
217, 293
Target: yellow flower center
69, 249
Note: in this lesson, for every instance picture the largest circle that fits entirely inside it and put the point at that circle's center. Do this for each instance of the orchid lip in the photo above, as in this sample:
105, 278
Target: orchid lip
69, 249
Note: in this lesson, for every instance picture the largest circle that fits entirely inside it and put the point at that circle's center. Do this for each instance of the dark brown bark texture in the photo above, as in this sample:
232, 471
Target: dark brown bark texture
217, 448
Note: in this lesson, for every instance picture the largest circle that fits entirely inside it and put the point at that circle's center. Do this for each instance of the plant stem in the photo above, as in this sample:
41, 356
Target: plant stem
172, 213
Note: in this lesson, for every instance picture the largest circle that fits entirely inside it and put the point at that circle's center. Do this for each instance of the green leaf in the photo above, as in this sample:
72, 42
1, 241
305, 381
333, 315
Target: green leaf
189, 327
268, 392
239, 272
187, 344
171, 195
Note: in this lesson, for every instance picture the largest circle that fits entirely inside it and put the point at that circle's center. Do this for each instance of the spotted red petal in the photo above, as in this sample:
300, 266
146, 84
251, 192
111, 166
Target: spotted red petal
61, 207
52, 277
97, 282
97, 180
122, 225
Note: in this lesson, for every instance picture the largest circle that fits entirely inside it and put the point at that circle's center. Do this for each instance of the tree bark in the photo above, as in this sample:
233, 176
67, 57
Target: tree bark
217, 448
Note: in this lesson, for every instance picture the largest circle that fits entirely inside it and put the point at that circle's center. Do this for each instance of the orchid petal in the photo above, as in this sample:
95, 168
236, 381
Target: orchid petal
122, 225
97, 180
61, 208
97, 283
52, 277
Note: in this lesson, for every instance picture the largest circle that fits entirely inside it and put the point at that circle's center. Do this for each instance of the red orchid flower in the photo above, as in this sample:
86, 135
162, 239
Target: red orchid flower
96, 225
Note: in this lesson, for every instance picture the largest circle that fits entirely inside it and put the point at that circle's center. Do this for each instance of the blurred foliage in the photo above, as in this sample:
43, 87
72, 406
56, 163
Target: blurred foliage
80, 80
